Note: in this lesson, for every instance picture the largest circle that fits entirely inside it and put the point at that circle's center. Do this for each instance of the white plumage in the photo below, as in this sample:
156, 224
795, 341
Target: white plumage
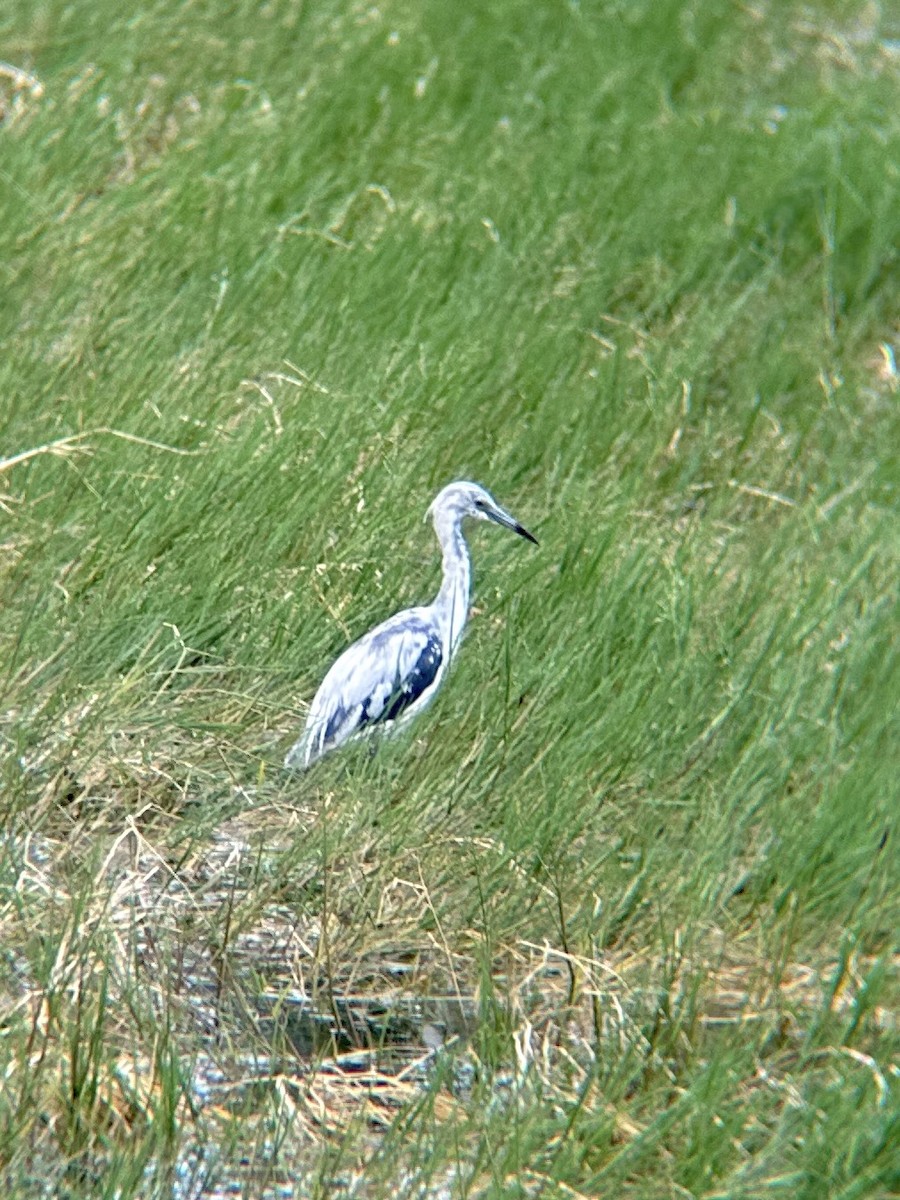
393, 671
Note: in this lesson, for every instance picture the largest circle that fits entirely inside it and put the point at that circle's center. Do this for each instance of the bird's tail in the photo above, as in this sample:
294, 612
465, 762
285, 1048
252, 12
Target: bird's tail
298, 757
308, 748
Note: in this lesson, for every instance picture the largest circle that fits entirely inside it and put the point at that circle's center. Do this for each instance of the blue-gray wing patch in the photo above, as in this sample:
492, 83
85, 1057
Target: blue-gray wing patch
407, 691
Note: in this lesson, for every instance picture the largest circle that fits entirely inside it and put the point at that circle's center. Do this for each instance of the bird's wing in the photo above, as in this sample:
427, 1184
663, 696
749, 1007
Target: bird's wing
376, 679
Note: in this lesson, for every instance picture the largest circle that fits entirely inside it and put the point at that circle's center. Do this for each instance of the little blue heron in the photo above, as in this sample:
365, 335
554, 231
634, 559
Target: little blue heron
393, 671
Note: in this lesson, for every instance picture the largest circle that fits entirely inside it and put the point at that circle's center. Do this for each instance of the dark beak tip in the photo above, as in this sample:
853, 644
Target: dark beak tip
523, 532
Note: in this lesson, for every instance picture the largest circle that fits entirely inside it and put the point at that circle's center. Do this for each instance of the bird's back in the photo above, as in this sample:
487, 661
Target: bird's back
387, 675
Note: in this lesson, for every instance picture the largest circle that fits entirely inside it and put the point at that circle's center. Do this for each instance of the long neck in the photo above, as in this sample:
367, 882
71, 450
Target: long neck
452, 601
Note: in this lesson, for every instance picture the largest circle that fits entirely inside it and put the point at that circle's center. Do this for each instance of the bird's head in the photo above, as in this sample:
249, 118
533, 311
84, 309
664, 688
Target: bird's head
464, 499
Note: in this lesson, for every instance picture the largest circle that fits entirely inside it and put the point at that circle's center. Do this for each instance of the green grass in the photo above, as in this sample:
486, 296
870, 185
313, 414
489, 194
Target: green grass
274, 273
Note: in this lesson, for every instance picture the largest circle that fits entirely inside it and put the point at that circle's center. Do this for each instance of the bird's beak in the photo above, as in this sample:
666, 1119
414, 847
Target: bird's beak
502, 517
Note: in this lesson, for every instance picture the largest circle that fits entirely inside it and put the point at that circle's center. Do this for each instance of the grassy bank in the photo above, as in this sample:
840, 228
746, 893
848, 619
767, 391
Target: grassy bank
617, 916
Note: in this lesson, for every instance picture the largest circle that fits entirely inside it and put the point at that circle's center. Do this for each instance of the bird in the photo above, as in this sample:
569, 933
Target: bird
392, 672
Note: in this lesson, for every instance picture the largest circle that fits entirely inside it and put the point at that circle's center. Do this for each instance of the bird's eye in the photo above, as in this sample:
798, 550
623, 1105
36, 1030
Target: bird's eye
479, 504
